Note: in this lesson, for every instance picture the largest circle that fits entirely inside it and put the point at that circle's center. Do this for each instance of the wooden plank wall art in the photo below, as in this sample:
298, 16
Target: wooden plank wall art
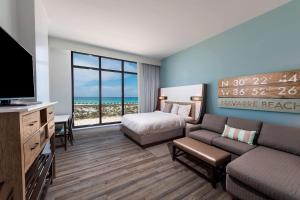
278, 92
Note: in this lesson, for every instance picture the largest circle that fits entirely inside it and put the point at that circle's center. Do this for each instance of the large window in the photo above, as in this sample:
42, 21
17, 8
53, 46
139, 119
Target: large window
104, 89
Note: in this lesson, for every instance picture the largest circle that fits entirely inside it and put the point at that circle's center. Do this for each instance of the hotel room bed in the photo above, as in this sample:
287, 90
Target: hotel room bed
155, 127
148, 128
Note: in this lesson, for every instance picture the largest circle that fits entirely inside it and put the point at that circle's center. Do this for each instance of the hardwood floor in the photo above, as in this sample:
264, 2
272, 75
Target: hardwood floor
107, 165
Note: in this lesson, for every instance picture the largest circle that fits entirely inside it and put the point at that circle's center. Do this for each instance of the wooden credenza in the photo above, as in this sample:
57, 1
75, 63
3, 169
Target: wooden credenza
26, 166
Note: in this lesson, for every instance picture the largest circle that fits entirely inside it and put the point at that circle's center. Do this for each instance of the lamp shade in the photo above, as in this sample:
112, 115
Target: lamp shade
196, 98
163, 98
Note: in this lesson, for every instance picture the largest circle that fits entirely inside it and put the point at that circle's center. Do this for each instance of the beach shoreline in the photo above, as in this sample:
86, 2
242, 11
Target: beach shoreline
88, 114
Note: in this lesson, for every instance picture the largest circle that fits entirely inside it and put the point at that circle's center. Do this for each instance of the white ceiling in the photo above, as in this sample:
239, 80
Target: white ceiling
152, 28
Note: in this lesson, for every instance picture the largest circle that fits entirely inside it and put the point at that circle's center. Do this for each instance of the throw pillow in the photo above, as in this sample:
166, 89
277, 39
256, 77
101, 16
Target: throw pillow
184, 110
239, 134
175, 108
167, 108
162, 106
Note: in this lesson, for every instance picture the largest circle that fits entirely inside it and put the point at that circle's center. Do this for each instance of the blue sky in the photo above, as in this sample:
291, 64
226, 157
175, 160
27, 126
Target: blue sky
86, 82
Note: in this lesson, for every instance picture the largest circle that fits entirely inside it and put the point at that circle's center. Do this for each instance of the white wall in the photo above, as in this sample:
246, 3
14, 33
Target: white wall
85, 48
41, 52
60, 80
17, 18
8, 16
26, 25
60, 68
26, 21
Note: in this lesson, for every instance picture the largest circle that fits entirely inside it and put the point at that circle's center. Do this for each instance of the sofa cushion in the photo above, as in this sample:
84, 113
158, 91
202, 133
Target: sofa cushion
281, 138
244, 124
232, 146
204, 135
214, 123
274, 173
239, 134
242, 191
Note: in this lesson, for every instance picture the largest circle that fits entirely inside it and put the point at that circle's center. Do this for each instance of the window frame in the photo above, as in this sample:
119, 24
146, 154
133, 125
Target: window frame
99, 69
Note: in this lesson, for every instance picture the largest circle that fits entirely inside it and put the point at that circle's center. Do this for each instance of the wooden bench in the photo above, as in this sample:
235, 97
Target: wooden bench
213, 159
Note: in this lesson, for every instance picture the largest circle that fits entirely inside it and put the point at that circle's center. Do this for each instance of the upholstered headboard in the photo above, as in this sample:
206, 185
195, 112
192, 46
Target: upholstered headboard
182, 95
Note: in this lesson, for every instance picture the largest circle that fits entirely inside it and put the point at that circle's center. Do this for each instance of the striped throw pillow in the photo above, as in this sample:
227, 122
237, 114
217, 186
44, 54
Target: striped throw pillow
239, 134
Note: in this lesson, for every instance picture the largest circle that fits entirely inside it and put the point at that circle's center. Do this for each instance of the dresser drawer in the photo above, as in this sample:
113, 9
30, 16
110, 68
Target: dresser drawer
50, 113
6, 190
43, 136
51, 128
31, 150
31, 123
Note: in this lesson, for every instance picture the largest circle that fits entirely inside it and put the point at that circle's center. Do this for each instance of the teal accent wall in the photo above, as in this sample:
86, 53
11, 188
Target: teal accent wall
267, 43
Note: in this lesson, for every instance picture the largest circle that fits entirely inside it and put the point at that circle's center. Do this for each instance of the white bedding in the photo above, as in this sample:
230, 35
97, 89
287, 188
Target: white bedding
154, 122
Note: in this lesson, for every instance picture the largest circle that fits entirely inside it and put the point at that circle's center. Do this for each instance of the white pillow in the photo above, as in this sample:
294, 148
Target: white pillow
175, 108
184, 110
162, 106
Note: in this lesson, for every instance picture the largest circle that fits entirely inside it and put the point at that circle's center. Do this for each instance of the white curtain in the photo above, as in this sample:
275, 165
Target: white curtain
148, 87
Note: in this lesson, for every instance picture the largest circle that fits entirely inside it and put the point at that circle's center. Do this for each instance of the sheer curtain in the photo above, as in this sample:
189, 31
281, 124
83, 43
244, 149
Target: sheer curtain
148, 87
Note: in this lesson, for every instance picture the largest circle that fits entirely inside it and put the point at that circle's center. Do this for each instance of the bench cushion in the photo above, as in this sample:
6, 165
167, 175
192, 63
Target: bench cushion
214, 123
271, 172
207, 153
281, 138
232, 146
204, 135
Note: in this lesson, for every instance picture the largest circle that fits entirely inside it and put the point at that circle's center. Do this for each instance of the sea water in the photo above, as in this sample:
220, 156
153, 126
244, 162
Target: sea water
104, 100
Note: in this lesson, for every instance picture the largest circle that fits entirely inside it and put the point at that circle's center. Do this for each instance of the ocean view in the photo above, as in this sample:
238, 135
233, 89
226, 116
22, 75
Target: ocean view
105, 100
86, 109
87, 86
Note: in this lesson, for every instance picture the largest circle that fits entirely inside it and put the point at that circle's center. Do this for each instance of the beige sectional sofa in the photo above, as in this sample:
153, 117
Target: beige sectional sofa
212, 126
269, 169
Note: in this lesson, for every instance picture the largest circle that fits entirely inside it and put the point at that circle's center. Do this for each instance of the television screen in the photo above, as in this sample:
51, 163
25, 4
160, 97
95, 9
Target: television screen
16, 69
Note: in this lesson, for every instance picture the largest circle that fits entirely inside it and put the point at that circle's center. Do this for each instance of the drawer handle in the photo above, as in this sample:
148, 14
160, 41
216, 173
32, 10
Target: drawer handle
34, 146
50, 113
33, 123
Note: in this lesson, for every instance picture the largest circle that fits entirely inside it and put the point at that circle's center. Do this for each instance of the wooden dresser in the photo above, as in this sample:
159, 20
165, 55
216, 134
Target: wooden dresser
26, 151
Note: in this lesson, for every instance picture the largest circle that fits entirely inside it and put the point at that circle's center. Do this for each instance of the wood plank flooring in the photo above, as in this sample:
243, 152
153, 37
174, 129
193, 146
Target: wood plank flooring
107, 165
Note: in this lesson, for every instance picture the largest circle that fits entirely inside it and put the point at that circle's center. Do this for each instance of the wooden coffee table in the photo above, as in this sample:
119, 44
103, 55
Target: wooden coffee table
213, 159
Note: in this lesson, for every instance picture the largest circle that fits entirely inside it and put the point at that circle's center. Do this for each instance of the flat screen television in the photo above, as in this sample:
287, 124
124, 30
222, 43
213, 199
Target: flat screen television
16, 70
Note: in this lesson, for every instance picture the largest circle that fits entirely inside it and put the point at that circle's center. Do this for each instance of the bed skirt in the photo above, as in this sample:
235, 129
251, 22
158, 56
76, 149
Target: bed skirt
153, 138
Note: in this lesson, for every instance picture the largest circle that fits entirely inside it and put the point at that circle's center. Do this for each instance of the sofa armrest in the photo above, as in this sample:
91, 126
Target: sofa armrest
192, 127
